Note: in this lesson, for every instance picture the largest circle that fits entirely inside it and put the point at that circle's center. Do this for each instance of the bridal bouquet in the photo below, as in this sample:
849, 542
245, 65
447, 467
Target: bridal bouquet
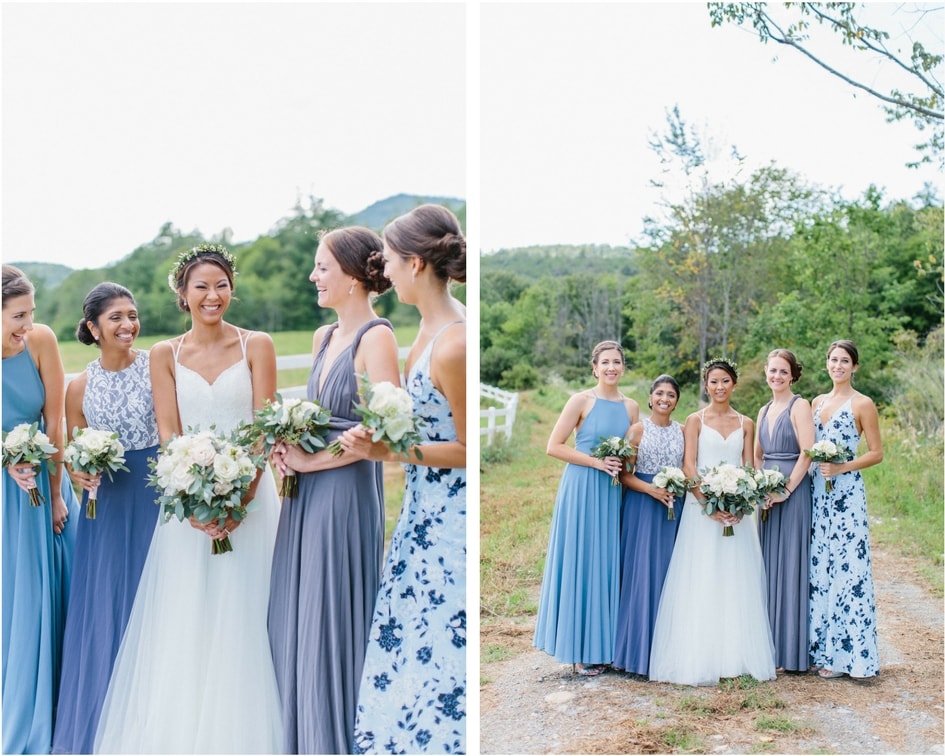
769, 482
298, 422
27, 444
204, 475
615, 446
388, 411
673, 480
95, 451
729, 488
829, 452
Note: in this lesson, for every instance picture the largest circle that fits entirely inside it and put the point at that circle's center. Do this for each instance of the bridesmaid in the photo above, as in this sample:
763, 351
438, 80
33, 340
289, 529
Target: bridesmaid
843, 603
785, 429
37, 541
113, 394
415, 666
330, 543
577, 611
647, 535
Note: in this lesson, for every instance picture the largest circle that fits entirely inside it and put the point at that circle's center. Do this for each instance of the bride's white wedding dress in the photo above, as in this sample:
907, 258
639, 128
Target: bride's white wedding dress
194, 673
712, 621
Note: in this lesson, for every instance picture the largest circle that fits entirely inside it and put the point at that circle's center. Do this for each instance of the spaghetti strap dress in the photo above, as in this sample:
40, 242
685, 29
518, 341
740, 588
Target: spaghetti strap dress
194, 672
580, 587
413, 688
37, 567
712, 621
842, 597
785, 547
647, 537
110, 550
325, 574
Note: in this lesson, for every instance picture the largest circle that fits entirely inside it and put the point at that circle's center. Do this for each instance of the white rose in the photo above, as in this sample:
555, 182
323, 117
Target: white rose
95, 441
17, 438
222, 488
396, 427
226, 468
202, 451
181, 479
389, 400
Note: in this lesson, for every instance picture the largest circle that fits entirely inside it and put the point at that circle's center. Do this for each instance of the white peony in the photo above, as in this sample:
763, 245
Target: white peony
202, 451
181, 478
396, 427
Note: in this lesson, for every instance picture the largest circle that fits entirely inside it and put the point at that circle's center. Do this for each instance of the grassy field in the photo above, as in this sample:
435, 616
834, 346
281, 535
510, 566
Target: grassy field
76, 356
519, 481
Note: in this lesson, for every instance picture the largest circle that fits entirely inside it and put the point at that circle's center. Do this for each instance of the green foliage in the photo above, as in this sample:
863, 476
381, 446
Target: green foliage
520, 377
272, 290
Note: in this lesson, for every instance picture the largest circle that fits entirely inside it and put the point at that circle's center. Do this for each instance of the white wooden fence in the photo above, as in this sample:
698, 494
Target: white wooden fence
505, 413
290, 362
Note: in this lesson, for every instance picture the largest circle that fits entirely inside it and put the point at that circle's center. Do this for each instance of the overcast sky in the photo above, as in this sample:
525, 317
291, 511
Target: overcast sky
119, 117
571, 93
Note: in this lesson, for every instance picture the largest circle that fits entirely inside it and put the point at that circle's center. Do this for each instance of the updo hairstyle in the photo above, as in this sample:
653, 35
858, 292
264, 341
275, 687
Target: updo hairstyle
788, 356
215, 254
847, 346
432, 233
360, 254
96, 302
15, 283
603, 347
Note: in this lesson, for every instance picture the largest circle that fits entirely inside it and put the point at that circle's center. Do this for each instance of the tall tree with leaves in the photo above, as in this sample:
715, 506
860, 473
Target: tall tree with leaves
921, 99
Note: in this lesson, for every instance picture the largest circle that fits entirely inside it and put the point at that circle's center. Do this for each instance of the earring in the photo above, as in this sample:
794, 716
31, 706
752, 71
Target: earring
351, 290
413, 276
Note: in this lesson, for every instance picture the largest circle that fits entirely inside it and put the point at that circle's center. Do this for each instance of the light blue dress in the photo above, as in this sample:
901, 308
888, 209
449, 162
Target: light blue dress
580, 588
110, 550
842, 599
647, 536
37, 565
413, 690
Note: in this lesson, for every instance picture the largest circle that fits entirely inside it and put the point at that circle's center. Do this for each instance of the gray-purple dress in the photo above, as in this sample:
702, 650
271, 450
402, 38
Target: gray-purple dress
326, 571
785, 547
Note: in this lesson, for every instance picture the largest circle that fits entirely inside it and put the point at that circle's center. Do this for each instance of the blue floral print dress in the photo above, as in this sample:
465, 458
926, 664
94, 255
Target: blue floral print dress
413, 690
842, 601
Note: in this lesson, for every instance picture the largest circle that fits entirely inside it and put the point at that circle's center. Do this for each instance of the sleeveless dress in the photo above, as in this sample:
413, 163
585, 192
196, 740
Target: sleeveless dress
325, 575
647, 537
785, 547
713, 616
110, 550
37, 566
194, 672
413, 689
580, 588
842, 598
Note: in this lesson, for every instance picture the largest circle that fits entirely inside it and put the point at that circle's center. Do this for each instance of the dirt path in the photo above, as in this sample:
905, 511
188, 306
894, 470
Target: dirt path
532, 704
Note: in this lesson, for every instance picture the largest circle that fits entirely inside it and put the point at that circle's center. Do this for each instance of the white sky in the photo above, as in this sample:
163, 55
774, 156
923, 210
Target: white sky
120, 117
570, 95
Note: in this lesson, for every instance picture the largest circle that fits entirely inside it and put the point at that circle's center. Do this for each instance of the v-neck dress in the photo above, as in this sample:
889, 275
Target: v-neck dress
326, 570
785, 546
842, 597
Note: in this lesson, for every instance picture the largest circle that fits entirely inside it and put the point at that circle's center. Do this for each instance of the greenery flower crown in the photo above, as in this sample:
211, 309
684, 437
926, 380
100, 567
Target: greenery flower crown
717, 362
188, 255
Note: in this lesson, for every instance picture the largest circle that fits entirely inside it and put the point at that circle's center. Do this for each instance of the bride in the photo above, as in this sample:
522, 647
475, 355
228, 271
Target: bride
713, 618
195, 659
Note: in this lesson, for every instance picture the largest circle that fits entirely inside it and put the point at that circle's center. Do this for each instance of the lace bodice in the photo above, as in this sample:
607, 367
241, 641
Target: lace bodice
122, 401
660, 446
222, 403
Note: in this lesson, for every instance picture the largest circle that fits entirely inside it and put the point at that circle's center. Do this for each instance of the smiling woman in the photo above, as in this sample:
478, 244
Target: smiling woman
37, 540
577, 611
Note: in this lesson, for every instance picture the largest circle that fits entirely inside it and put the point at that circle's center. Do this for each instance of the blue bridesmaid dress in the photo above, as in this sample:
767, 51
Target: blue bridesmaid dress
37, 565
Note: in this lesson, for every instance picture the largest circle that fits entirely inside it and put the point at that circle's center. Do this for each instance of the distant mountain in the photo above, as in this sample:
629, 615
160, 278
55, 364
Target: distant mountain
380, 213
49, 274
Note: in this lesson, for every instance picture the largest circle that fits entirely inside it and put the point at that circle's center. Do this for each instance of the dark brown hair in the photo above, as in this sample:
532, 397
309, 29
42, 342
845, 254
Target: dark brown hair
788, 356
360, 254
